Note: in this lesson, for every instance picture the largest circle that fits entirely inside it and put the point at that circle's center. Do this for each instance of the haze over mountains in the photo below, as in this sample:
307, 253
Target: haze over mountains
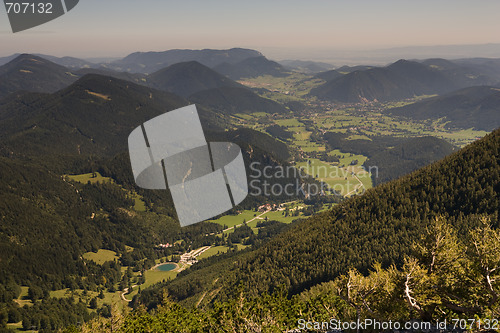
149, 62
306, 66
400, 80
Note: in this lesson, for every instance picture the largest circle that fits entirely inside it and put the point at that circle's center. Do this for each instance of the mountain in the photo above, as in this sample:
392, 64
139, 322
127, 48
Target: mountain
487, 66
69, 62
362, 86
349, 69
378, 226
4, 60
400, 80
307, 67
462, 74
187, 78
32, 73
251, 67
232, 100
406, 157
94, 116
329, 75
474, 107
149, 62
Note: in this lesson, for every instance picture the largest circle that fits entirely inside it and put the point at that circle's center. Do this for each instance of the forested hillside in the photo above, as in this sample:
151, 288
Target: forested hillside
411, 154
31, 73
378, 226
474, 107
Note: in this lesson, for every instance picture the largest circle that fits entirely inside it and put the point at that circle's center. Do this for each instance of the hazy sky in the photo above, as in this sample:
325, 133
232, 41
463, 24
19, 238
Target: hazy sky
118, 27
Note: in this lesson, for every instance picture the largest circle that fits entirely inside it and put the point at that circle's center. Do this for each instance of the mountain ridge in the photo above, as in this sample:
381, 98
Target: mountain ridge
402, 79
476, 107
149, 62
32, 73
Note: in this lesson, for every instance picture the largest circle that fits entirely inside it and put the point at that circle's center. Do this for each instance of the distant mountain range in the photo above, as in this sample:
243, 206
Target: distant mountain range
474, 107
251, 67
400, 80
307, 67
149, 62
187, 79
70, 62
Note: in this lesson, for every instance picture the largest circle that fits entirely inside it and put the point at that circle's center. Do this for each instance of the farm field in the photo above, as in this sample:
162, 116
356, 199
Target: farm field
341, 179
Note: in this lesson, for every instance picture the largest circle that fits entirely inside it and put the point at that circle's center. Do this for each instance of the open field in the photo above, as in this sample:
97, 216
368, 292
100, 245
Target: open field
232, 220
214, 250
282, 89
101, 256
95, 177
341, 179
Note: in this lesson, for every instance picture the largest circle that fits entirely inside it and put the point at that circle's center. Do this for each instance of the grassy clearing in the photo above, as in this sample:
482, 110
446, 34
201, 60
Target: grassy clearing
280, 217
232, 220
291, 122
152, 277
95, 177
341, 179
101, 256
139, 204
23, 297
291, 87
214, 250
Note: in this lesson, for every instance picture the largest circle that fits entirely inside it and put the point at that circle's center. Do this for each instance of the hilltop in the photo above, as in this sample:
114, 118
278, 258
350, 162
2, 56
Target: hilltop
32, 73
251, 67
187, 78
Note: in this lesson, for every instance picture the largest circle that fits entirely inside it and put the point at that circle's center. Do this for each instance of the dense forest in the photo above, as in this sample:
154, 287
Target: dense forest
376, 227
448, 275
